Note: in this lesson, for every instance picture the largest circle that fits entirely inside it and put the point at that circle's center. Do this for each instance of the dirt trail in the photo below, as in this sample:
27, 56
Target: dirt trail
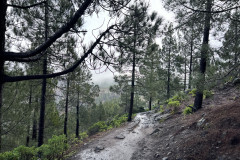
109, 147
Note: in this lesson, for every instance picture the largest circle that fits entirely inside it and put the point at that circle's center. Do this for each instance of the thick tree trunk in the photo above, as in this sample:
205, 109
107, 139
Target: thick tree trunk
3, 10
168, 74
132, 88
44, 85
204, 55
77, 116
150, 104
66, 108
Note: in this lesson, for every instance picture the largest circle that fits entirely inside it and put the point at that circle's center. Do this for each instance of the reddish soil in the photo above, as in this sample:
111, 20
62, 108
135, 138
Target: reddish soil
182, 138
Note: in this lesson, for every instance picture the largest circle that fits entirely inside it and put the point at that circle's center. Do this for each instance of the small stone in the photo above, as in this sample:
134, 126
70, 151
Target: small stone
156, 155
120, 136
98, 148
165, 158
155, 131
169, 153
200, 122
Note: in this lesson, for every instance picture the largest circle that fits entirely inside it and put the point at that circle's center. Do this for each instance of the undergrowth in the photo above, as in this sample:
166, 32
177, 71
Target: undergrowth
57, 145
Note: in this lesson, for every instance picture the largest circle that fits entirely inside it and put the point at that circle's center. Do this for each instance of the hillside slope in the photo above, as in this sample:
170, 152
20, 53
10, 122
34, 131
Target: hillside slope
211, 133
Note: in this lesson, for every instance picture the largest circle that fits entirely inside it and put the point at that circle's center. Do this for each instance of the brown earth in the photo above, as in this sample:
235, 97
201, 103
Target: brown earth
180, 137
211, 133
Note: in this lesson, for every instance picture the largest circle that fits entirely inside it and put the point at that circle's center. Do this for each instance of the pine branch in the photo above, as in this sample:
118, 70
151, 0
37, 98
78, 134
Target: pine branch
25, 7
71, 69
204, 11
13, 56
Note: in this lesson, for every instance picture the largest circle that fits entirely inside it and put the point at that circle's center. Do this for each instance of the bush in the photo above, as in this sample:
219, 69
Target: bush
20, 153
193, 92
173, 105
207, 94
26, 153
187, 110
83, 135
55, 148
97, 127
161, 109
9, 156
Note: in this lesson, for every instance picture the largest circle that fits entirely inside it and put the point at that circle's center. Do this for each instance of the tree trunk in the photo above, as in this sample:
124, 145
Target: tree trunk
132, 89
66, 108
3, 10
204, 55
190, 65
185, 73
150, 104
168, 74
44, 85
34, 127
77, 116
236, 41
29, 123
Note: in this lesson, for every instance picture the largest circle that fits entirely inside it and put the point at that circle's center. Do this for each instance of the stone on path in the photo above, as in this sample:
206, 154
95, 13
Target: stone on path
98, 148
120, 136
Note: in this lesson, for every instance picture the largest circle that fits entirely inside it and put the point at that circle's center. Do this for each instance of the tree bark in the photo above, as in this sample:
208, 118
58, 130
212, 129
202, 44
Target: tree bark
204, 55
185, 72
3, 10
168, 74
34, 127
132, 87
236, 41
29, 123
66, 108
150, 104
190, 65
77, 116
133, 73
44, 85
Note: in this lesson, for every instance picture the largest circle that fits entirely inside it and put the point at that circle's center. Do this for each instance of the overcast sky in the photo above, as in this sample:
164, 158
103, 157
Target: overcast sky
100, 20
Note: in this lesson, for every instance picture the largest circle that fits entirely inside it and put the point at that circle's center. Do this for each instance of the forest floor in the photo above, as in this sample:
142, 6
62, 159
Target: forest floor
211, 133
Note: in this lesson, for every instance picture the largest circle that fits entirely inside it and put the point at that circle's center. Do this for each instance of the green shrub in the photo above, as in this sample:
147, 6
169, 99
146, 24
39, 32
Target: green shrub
97, 127
26, 153
161, 109
117, 121
20, 153
173, 105
193, 92
207, 94
187, 110
55, 148
83, 135
9, 156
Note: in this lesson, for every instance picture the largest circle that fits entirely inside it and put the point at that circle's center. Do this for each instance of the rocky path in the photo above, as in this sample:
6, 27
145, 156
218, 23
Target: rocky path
121, 143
